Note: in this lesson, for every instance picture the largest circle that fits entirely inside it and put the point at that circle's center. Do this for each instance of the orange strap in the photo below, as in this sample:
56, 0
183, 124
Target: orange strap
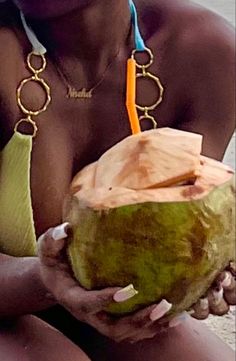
131, 96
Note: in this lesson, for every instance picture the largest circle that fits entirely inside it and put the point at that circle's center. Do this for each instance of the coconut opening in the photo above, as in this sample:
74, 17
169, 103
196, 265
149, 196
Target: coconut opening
163, 165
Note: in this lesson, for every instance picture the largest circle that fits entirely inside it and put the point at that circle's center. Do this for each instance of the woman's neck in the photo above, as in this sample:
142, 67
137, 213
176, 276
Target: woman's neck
94, 31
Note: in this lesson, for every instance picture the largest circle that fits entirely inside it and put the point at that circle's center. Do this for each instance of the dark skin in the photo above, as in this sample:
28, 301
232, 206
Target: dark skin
193, 57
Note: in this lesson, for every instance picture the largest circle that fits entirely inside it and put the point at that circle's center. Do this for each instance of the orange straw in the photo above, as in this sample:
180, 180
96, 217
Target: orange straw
131, 96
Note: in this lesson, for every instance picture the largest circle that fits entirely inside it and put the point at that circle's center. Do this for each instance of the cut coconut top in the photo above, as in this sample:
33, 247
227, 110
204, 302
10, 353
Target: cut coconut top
149, 167
214, 174
152, 159
85, 179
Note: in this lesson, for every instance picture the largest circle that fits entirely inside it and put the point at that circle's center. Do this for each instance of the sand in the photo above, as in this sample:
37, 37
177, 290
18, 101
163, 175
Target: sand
224, 327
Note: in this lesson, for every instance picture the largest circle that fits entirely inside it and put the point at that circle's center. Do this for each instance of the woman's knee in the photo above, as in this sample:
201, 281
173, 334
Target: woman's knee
189, 341
10, 348
30, 339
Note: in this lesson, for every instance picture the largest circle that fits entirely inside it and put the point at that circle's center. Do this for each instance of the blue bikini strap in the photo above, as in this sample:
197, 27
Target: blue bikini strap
139, 42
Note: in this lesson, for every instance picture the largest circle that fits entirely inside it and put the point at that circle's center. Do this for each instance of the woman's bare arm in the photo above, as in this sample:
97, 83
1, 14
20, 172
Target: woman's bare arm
21, 289
209, 64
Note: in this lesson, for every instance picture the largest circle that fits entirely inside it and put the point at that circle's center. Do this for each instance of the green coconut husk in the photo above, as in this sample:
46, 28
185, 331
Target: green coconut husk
169, 242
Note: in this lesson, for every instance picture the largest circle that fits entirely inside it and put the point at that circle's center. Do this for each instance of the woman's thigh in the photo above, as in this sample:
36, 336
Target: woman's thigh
30, 339
191, 341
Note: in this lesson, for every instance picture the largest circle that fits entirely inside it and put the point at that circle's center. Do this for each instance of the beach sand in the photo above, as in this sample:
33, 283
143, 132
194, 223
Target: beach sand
224, 327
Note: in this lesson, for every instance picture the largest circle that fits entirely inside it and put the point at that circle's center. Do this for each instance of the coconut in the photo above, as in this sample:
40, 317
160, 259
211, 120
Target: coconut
155, 213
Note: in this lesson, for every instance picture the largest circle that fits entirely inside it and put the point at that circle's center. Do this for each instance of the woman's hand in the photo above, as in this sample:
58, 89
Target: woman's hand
220, 296
89, 306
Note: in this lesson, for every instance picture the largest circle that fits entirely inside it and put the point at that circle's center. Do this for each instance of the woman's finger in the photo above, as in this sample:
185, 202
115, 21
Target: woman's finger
134, 327
51, 243
141, 324
160, 310
118, 329
229, 285
232, 268
156, 328
217, 304
149, 334
147, 316
83, 302
201, 309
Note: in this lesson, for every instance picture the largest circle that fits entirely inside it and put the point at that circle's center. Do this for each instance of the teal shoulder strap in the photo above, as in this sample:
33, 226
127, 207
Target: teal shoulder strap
139, 42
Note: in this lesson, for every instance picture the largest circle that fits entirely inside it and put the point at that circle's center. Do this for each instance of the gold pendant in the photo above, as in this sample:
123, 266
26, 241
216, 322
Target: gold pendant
79, 94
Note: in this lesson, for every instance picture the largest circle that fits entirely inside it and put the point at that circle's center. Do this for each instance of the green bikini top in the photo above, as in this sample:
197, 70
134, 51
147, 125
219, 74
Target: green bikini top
17, 230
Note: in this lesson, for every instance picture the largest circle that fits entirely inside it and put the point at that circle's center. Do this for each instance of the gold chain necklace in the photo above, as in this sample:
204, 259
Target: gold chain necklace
83, 93
131, 79
72, 93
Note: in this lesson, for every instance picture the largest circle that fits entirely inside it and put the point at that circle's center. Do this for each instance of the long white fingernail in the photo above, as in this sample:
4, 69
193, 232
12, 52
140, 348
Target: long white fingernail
204, 304
191, 312
60, 231
125, 294
179, 319
218, 296
160, 310
227, 280
41, 238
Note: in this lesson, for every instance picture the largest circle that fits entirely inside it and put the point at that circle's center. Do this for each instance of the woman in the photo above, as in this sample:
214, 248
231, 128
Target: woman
88, 43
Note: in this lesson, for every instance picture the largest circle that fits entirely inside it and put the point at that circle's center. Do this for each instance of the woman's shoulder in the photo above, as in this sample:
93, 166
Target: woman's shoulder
11, 56
10, 45
9, 32
196, 50
193, 40
187, 25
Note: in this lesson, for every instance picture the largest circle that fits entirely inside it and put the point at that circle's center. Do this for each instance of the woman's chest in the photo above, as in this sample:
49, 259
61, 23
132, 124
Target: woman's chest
75, 132
66, 142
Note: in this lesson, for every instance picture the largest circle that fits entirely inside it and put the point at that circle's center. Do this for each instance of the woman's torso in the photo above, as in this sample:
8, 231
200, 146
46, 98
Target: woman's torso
73, 134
